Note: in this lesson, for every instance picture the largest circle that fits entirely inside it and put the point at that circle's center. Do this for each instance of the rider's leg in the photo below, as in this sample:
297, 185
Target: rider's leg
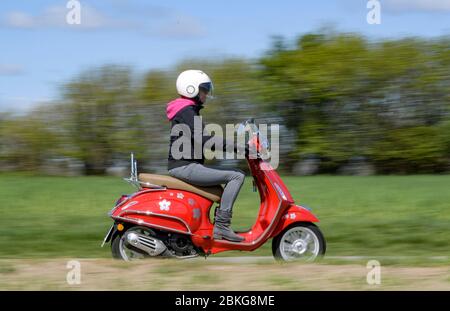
200, 175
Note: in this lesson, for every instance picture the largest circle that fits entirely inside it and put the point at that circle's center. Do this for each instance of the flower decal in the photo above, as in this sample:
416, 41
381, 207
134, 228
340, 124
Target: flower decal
164, 205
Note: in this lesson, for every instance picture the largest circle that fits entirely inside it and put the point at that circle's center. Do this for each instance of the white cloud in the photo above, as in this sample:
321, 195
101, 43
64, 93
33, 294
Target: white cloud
10, 69
416, 5
19, 104
18, 20
141, 10
55, 17
149, 20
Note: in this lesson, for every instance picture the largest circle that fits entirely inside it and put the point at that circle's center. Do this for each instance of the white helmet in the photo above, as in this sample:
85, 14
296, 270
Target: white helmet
189, 83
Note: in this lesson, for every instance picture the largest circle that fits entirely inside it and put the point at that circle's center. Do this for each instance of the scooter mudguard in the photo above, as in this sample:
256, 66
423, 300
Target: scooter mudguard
295, 213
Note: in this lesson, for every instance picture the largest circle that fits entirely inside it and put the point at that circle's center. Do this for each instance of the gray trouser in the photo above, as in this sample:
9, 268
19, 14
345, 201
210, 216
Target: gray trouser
203, 176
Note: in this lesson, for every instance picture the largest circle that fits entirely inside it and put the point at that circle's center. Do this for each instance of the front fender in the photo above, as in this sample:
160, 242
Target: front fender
294, 213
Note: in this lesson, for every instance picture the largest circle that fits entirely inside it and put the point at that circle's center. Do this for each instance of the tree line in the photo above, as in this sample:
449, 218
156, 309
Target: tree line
342, 100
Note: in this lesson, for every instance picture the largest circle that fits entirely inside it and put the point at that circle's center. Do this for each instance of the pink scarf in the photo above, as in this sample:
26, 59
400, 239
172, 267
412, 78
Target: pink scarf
176, 105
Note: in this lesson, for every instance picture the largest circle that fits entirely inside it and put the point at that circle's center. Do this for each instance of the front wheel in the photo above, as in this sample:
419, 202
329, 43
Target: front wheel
299, 242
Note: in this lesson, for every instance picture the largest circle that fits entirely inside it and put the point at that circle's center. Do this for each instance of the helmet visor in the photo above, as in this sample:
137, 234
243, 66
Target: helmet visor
208, 88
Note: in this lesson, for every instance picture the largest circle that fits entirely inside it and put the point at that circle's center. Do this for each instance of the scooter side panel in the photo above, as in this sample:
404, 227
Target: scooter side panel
169, 209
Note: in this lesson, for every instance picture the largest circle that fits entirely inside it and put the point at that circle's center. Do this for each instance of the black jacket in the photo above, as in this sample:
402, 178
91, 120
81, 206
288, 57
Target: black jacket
186, 116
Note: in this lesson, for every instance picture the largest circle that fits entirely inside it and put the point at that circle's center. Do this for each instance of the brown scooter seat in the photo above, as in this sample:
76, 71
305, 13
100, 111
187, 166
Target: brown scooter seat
213, 193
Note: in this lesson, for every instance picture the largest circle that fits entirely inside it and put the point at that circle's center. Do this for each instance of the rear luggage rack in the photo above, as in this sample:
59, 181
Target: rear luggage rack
134, 177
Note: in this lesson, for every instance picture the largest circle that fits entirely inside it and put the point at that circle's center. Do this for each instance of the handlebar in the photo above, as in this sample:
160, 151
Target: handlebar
256, 141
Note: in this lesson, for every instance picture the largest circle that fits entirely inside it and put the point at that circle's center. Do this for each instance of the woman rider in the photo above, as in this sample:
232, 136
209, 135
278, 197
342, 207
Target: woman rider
193, 86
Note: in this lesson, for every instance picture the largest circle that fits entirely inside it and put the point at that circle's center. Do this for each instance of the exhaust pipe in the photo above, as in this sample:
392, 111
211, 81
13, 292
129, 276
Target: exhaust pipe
149, 245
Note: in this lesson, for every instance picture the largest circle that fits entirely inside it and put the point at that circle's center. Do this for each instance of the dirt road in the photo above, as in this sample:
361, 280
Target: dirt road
106, 274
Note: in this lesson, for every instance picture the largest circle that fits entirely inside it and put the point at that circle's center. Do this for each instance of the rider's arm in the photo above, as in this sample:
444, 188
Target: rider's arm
187, 116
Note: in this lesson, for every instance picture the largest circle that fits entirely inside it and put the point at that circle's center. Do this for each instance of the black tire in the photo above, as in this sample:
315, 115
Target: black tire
115, 246
276, 241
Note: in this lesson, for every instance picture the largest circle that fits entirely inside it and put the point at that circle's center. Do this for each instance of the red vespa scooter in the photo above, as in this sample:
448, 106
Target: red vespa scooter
170, 218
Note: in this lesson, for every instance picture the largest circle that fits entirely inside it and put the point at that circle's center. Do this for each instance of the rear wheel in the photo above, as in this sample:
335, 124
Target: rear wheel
122, 250
299, 242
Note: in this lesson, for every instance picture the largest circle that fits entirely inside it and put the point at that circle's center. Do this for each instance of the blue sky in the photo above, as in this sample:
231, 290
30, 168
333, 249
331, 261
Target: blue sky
39, 50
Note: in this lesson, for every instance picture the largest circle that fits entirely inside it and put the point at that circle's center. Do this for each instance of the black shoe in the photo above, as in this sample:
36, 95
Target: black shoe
222, 228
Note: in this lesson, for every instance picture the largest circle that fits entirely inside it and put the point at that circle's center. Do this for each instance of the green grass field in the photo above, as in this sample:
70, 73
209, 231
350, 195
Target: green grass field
44, 217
